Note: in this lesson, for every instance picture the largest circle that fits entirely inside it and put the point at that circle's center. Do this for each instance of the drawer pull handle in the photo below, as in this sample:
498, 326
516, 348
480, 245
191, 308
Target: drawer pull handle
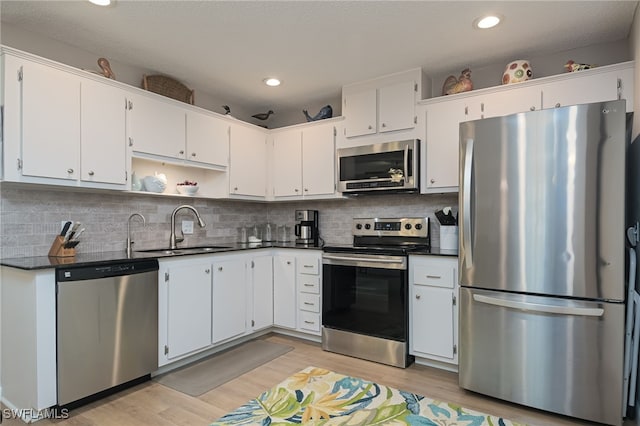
308, 285
309, 303
434, 277
309, 322
308, 266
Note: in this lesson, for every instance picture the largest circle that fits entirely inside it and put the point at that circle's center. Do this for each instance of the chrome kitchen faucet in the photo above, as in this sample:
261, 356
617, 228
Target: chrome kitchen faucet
172, 239
129, 242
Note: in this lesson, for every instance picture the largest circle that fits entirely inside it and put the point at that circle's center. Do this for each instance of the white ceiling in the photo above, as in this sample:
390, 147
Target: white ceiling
226, 48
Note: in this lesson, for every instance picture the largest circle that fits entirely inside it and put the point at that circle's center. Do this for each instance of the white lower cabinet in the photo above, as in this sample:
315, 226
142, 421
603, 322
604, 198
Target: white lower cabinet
185, 307
229, 298
284, 291
260, 292
433, 309
308, 282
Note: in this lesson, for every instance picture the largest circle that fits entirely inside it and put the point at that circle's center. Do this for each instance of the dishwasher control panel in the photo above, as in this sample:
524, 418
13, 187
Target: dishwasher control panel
113, 269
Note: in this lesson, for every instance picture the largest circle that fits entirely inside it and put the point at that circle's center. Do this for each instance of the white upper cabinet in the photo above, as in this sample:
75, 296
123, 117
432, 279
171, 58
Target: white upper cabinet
248, 161
593, 86
287, 163
207, 139
103, 149
50, 122
304, 161
386, 104
318, 160
397, 106
62, 128
360, 108
156, 127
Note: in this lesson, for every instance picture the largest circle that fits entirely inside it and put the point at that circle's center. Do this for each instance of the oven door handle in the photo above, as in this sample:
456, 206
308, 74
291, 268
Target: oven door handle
363, 259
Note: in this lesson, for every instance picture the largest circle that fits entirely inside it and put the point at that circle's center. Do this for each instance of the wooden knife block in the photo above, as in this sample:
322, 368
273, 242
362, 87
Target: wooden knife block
57, 248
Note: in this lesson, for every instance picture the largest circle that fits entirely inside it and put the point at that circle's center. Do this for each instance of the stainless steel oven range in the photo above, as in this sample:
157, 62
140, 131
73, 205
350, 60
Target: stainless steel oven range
365, 290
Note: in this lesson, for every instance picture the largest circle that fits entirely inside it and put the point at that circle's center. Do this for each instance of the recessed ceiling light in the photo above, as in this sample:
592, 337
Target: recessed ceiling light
101, 2
271, 81
488, 21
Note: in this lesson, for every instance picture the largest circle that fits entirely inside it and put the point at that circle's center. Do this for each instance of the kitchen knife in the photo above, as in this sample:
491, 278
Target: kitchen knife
77, 236
65, 228
72, 232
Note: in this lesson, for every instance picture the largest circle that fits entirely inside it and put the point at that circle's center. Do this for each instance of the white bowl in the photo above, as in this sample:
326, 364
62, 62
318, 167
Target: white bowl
154, 184
187, 189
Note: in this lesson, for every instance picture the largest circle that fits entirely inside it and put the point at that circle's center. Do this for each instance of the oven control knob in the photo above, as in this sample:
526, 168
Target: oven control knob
418, 226
359, 226
367, 226
407, 226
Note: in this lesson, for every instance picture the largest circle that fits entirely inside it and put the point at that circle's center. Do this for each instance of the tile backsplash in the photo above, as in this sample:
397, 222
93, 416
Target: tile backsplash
31, 216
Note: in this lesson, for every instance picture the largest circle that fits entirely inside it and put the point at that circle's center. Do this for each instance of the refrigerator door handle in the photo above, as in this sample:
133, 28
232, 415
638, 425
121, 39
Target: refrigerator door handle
466, 204
535, 307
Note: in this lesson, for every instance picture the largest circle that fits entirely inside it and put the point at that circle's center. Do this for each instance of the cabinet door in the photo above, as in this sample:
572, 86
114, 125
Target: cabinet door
284, 291
318, 160
262, 280
432, 317
229, 299
189, 308
50, 122
248, 165
397, 107
157, 128
207, 139
580, 90
360, 111
441, 147
287, 164
103, 134
511, 102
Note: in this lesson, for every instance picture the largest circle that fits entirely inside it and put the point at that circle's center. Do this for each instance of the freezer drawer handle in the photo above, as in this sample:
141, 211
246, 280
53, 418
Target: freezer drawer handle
563, 310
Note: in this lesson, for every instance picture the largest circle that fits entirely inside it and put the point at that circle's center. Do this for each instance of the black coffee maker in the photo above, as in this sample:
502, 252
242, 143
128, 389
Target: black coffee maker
306, 229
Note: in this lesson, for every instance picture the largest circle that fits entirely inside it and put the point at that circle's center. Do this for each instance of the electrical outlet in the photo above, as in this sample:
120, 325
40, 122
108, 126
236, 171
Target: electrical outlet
187, 227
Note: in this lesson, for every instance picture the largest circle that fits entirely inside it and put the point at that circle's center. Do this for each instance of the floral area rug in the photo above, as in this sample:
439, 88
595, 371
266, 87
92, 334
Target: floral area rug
316, 396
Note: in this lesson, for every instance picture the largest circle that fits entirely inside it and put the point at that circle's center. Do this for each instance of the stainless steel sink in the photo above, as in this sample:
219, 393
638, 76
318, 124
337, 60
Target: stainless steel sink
184, 250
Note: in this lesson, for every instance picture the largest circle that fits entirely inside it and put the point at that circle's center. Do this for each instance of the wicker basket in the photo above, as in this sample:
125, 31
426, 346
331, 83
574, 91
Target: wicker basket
168, 87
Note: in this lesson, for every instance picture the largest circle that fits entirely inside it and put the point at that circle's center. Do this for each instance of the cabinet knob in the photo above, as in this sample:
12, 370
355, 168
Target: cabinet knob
370, 127
193, 154
296, 190
288, 262
558, 105
432, 181
69, 171
206, 271
306, 190
417, 296
219, 268
384, 125
532, 108
91, 173
235, 188
181, 152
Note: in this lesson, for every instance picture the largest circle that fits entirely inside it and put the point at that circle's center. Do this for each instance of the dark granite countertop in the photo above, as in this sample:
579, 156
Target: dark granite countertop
46, 262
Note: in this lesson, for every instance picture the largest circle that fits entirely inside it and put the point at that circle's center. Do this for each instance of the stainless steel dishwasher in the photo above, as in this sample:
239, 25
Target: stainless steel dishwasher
107, 326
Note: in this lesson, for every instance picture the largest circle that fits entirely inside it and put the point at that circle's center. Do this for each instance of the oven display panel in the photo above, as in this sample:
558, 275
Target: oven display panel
386, 226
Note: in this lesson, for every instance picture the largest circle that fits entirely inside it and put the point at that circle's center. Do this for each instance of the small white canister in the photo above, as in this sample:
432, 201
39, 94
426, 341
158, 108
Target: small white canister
448, 237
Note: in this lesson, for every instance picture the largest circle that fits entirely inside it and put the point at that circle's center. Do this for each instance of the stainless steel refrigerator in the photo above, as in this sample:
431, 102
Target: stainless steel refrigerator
542, 259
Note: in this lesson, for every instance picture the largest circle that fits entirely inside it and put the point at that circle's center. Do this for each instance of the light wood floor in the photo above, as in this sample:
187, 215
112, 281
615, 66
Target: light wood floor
154, 404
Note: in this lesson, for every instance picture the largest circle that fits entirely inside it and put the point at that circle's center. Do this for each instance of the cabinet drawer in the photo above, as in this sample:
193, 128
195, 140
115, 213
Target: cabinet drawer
309, 321
435, 274
309, 283
309, 302
308, 265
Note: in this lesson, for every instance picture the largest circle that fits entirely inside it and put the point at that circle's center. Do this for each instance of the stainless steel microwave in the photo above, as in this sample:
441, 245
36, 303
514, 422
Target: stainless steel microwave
389, 166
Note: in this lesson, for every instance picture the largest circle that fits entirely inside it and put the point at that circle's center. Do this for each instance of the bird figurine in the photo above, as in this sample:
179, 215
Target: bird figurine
572, 66
227, 110
263, 115
104, 65
457, 85
325, 112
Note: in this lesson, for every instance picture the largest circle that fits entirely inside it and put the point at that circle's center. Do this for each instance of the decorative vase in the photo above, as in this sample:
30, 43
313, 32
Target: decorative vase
517, 71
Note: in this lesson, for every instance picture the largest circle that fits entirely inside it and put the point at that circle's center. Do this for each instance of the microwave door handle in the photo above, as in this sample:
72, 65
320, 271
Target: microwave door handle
406, 163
